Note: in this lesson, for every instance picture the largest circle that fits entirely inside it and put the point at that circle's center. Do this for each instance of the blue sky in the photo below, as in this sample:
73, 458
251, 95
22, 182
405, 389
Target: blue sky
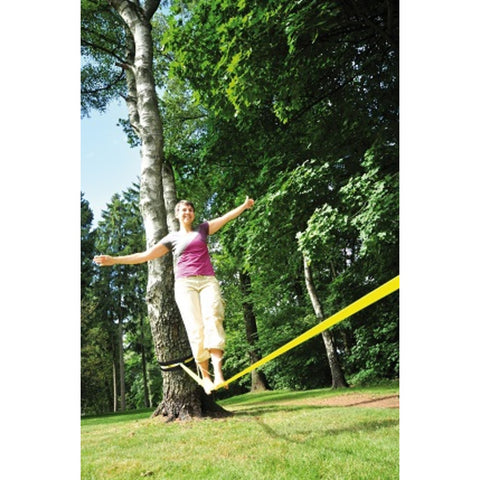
108, 164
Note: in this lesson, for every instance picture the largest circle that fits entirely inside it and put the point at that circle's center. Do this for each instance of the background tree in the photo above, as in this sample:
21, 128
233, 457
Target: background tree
96, 366
115, 334
120, 230
87, 244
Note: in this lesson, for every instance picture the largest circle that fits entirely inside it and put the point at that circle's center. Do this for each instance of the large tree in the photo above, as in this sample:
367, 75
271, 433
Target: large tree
118, 60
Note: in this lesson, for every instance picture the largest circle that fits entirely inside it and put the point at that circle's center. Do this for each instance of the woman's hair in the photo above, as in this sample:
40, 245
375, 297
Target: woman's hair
183, 202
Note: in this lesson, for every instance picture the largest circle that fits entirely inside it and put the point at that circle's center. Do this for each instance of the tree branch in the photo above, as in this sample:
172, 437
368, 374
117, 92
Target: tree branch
385, 34
106, 87
95, 46
150, 8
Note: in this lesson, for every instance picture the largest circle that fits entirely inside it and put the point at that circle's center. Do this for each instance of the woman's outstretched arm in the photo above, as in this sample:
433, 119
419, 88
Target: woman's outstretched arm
216, 224
158, 250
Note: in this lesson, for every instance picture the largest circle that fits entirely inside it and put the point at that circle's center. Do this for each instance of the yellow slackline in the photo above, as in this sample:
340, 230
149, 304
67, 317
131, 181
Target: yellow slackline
192, 374
372, 297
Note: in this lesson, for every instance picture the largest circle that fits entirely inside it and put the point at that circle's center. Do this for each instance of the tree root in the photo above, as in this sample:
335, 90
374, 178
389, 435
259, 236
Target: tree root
203, 406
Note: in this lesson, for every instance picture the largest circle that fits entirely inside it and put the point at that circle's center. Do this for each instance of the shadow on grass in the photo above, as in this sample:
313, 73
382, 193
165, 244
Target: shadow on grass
259, 408
385, 388
257, 412
279, 396
305, 436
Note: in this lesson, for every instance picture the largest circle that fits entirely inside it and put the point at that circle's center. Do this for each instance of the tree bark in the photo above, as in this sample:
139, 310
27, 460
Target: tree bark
259, 381
169, 195
121, 366
181, 396
338, 378
146, 391
114, 376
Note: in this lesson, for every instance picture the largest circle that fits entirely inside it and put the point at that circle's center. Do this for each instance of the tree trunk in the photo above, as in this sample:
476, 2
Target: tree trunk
182, 398
338, 378
114, 375
259, 381
121, 366
169, 195
146, 390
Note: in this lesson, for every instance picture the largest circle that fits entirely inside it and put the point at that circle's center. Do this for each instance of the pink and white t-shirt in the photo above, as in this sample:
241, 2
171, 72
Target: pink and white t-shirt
191, 251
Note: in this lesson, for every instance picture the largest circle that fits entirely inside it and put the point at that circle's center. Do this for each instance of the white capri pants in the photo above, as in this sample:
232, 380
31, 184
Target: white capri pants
202, 309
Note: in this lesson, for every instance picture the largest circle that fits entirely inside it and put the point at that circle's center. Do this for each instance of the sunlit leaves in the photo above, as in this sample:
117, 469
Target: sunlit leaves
103, 48
299, 52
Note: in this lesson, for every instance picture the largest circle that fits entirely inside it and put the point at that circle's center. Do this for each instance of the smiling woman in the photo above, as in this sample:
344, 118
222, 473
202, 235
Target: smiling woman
197, 292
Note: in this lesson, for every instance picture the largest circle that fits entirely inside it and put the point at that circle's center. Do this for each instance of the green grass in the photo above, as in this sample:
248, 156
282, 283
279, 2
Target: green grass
273, 435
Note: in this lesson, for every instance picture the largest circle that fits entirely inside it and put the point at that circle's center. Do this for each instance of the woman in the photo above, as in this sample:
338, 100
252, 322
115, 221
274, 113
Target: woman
197, 291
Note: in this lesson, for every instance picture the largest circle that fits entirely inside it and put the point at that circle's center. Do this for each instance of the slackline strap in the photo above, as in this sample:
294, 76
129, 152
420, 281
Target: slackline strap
372, 297
192, 374
173, 364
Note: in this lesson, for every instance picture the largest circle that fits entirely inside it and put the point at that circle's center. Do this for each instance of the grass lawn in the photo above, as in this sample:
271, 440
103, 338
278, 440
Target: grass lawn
317, 434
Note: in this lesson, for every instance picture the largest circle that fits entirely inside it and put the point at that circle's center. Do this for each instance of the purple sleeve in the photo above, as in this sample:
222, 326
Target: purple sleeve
167, 241
203, 228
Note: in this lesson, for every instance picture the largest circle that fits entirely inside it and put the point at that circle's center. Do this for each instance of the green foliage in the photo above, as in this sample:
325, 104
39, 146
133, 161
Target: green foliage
375, 353
96, 362
87, 243
103, 46
95, 351
302, 113
118, 294
246, 53
120, 232
303, 368
137, 397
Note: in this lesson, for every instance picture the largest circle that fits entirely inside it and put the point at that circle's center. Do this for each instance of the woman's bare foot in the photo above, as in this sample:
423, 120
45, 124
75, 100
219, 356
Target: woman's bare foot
207, 383
217, 357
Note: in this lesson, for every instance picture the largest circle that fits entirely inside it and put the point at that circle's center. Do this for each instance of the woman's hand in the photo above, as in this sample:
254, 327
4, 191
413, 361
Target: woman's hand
103, 260
249, 202
216, 224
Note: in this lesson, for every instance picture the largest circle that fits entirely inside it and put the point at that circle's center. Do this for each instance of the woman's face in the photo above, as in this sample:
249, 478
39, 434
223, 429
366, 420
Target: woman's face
185, 214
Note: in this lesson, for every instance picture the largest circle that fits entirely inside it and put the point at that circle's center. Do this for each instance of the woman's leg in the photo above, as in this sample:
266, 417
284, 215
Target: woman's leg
213, 311
188, 301
208, 385
217, 358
